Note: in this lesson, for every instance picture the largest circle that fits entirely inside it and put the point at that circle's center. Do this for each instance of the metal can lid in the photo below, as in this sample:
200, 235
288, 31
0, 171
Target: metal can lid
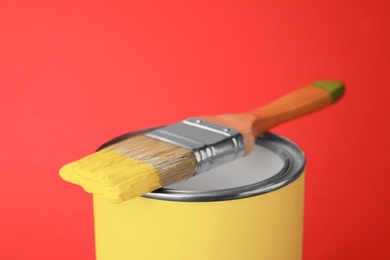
274, 163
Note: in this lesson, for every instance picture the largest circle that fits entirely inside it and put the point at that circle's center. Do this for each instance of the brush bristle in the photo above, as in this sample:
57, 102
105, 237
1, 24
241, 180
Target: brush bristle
131, 168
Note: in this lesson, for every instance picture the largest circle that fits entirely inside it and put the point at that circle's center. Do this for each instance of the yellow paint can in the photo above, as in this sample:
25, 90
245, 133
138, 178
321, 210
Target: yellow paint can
249, 209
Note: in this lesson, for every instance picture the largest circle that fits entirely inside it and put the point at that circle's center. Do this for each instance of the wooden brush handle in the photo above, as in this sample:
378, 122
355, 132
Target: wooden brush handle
298, 103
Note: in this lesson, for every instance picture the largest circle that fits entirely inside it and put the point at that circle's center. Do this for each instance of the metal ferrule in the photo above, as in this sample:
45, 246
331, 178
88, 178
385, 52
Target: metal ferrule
212, 144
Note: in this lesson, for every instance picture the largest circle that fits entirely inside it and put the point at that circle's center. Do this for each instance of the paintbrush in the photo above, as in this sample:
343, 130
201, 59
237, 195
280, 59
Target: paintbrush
144, 163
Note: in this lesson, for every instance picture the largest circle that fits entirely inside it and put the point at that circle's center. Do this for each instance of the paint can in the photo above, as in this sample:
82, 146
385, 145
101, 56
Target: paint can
249, 209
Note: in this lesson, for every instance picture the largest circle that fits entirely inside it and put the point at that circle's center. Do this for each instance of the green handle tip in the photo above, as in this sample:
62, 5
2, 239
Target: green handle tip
336, 88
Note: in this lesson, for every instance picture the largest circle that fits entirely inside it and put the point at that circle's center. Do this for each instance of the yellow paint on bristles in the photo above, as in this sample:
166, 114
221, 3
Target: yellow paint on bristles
112, 175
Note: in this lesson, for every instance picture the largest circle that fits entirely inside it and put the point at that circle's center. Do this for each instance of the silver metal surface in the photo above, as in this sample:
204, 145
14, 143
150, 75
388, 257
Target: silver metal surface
293, 166
212, 144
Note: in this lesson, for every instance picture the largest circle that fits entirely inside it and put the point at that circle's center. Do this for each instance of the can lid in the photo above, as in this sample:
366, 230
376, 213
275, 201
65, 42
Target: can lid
274, 163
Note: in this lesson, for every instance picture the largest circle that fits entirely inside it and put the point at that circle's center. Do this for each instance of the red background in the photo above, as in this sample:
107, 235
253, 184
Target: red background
74, 74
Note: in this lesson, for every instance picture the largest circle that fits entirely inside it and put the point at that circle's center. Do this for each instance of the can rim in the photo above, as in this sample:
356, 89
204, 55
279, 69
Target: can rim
289, 152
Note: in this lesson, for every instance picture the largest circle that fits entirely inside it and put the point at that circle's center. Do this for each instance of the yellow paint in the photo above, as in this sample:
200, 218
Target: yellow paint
267, 226
112, 175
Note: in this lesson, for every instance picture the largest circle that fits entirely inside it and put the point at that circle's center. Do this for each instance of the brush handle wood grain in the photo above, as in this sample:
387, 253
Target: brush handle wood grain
295, 104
